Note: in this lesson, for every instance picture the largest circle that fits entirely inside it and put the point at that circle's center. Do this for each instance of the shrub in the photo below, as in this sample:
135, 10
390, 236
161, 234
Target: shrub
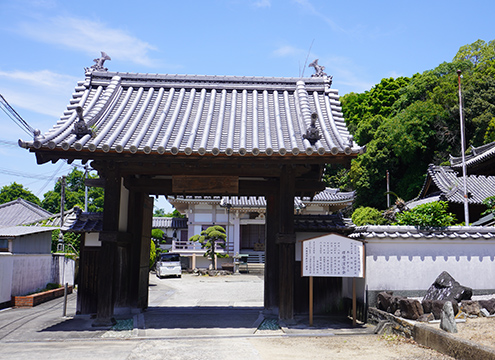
367, 216
432, 214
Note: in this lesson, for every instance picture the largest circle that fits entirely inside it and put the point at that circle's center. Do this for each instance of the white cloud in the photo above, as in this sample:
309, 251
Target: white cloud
288, 51
262, 3
44, 92
44, 78
306, 5
90, 37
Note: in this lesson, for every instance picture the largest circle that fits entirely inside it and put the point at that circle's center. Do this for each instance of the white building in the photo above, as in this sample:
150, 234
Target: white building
244, 221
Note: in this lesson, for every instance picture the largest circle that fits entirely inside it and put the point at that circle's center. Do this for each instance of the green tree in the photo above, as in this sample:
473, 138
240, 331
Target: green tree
489, 202
74, 194
367, 216
427, 215
152, 253
72, 241
14, 191
209, 238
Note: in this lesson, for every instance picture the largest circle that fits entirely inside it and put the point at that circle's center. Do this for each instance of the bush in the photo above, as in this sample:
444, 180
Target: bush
432, 214
367, 216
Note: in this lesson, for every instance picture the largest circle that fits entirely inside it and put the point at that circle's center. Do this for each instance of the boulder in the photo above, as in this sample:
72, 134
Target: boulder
470, 307
446, 287
447, 319
426, 317
435, 307
410, 308
383, 300
488, 305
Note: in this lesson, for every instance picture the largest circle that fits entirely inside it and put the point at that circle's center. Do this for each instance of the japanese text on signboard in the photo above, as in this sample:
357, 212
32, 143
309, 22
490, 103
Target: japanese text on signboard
332, 256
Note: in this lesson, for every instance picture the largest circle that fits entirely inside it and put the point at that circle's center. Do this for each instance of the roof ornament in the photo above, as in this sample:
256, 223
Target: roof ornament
318, 69
98, 66
80, 127
312, 133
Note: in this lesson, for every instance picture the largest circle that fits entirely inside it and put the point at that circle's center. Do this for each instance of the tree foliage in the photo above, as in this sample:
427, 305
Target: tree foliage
367, 216
72, 241
432, 214
410, 122
14, 191
74, 194
209, 238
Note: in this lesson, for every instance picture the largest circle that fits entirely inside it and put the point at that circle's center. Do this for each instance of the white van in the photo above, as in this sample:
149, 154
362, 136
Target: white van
168, 264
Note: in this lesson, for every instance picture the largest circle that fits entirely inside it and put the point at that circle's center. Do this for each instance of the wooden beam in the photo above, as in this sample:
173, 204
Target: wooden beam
203, 184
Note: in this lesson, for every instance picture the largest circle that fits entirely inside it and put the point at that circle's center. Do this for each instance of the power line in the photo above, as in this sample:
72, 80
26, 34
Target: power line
15, 117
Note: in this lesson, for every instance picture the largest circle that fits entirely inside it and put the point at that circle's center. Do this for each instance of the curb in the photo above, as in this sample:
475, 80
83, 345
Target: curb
436, 339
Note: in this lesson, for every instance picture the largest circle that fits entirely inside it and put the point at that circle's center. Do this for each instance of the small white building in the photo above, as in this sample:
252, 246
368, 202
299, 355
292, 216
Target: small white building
26, 262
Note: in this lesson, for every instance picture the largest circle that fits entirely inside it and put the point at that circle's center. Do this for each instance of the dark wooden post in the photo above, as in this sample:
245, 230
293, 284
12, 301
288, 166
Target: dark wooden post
286, 243
108, 248
271, 250
140, 228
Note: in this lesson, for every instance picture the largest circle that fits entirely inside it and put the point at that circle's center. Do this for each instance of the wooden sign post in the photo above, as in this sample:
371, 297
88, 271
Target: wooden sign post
332, 255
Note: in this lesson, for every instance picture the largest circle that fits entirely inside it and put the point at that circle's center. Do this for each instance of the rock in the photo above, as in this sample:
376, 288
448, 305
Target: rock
410, 308
446, 288
383, 300
488, 305
447, 319
436, 306
470, 307
426, 317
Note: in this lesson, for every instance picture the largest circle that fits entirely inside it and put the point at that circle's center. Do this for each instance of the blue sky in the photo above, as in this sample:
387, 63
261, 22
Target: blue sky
47, 43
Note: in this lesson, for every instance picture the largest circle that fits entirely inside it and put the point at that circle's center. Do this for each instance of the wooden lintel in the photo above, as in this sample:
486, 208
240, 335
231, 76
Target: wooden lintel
99, 182
286, 238
201, 184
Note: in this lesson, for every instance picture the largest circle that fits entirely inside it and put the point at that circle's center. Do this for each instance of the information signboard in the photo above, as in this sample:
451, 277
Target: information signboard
332, 255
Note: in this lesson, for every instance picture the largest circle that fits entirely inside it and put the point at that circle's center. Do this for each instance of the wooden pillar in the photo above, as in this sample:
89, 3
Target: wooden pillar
286, 243
108, 248
140, 223
271, 252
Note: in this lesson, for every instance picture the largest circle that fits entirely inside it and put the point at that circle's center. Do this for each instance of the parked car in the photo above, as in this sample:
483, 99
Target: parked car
168, 264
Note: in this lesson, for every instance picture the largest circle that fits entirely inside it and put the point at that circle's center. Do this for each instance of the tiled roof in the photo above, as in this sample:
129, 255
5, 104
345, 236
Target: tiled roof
200, 115
317, 223
325, 197
15, 231
404, 232
20, 211
450, 184
478, 155
168, 222
84, 222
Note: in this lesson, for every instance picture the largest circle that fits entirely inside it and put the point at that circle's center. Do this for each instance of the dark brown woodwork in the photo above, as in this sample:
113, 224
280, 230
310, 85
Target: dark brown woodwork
108, 249
286, 243
203, 184
271, 297
87, 291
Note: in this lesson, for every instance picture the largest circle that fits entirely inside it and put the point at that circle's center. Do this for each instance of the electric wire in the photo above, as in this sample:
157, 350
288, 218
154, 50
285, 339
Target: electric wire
14, 116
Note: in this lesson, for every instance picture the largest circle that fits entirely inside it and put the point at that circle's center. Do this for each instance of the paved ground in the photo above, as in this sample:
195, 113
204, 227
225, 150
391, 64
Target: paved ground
189, 318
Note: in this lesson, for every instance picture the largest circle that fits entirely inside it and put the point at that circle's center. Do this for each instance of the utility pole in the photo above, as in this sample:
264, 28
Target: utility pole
466, 206
85, 188
388, 191
62, 200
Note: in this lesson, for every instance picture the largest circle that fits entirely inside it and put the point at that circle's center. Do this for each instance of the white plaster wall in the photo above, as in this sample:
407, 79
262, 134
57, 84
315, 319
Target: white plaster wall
30, 272
415, 264
63, 269
6, 270
207, 219
92, 239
